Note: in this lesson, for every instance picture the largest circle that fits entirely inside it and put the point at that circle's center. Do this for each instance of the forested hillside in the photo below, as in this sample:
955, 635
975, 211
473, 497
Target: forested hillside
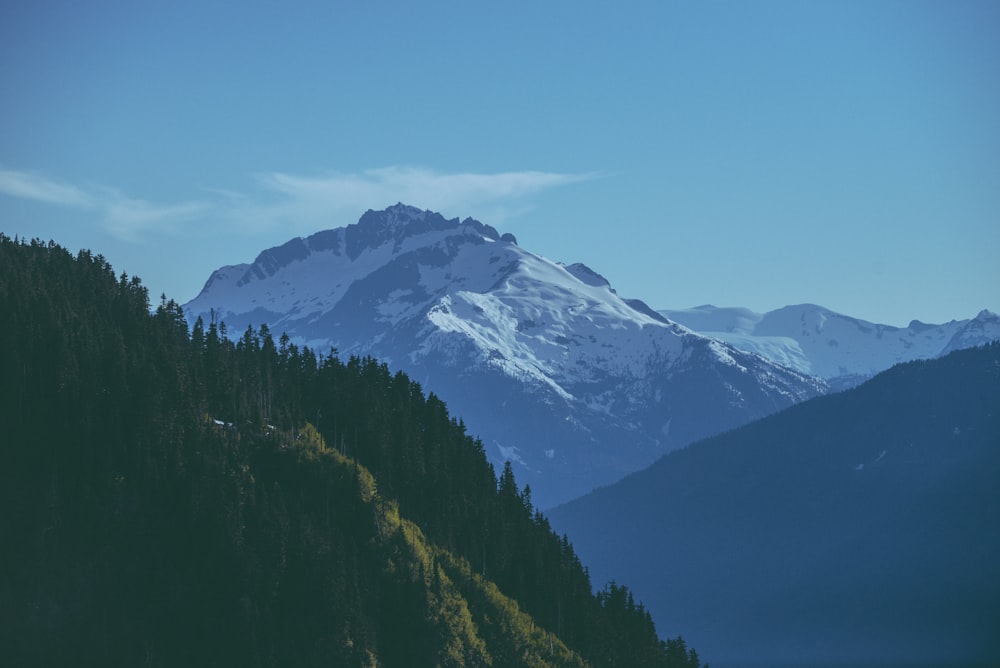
174, 498
859, 528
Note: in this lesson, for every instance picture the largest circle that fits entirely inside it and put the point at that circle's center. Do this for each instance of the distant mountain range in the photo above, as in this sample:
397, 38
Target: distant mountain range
557, 373
859, 528
838, 348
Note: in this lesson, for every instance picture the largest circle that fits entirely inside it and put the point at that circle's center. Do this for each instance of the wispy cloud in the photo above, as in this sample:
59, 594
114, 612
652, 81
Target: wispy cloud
300, 204
433, 189
124, 217
316, 201
129, 219
31, 185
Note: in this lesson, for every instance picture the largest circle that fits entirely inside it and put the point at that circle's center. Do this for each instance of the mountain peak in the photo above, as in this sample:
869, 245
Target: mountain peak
401, 221
398, 215
587, 275
392, 225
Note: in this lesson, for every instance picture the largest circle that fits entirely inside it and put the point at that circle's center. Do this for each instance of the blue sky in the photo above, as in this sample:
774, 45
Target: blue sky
737, 153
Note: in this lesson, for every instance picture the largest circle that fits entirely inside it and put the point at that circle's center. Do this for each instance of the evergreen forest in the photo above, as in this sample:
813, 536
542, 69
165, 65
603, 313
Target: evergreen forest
179, 495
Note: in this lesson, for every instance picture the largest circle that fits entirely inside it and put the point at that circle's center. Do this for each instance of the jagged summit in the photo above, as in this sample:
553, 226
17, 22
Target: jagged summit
394, 225
401, 221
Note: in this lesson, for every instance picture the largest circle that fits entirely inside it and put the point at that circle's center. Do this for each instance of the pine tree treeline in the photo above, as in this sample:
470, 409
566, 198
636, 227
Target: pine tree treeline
174, 496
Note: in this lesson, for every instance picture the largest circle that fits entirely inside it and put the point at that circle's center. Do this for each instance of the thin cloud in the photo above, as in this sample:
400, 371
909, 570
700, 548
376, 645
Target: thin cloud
300, 204
314, 200
129, 219
123, 217
34, 186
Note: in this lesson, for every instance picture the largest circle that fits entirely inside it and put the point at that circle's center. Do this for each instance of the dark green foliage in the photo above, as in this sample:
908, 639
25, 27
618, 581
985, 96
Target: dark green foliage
168, 502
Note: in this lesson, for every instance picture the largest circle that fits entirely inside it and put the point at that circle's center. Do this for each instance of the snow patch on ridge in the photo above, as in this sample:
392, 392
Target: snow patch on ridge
816, 341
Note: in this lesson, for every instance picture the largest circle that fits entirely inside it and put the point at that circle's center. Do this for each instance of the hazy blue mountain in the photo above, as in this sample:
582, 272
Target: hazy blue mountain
843, 350
557, 373
859, 528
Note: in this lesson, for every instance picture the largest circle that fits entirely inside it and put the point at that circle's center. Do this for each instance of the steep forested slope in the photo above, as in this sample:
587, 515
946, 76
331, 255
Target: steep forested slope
172, 497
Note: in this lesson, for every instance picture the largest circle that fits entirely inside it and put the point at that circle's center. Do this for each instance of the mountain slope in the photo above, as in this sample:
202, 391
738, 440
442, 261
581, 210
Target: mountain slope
167, 503
563, 377
841, 349
856, 528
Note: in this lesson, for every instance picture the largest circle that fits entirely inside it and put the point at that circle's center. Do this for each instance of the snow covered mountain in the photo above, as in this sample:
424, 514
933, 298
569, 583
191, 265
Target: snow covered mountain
545, 362
843, 350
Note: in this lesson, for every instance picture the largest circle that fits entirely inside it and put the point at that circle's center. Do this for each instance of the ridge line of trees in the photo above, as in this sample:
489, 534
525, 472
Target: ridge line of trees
169, 493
